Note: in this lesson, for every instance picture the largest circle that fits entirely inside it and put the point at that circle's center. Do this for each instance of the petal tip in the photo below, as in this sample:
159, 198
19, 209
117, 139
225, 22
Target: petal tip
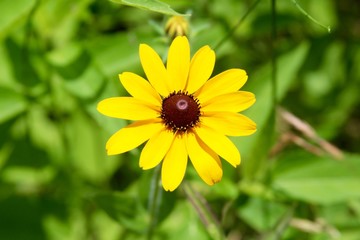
145, 167
180, 42
99, 106
214, 181
181, 37
144, 47
108, 148
109, 152
167, 189
236, 162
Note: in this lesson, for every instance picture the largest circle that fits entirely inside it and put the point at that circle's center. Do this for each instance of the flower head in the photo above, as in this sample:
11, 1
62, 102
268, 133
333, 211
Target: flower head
181, 113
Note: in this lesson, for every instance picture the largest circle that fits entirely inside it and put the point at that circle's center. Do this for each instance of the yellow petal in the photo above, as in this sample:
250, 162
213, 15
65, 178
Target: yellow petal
232, 102
225, 82
139, 88
154, 69
201, 67
128, 108
229, 123
178, 63
219, 144
132, 136
205, 161
155, 149
174, 164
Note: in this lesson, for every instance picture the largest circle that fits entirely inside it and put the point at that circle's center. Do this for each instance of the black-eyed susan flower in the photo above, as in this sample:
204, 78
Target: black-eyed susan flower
181, 114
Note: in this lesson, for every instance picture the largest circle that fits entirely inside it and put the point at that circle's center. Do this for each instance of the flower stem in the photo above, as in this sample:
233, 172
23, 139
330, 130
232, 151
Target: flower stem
233, 29
199, 203
328, 28
273, 55
154, 202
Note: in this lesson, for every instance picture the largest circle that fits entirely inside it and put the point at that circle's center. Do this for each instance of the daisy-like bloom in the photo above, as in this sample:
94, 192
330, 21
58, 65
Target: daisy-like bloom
181, 113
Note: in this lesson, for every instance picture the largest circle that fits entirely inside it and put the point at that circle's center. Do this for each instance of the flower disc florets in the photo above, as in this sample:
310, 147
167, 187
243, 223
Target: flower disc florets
180, 111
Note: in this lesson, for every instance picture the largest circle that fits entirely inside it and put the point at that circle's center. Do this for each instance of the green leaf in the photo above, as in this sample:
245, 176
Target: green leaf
124, 209
44, 133
70, 61
267, 213
12, 11
151, 5
23, 63
87, 85
318, 179
344, 215
74, 64
183, 223
88, 154
21, 218
256, 146
26, 154
115, 53
11, 104
60, 21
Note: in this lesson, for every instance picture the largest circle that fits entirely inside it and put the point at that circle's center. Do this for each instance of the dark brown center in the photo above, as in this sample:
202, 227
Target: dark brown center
180, 111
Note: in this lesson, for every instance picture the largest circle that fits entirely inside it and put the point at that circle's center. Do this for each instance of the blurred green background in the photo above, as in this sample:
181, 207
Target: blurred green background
59, 58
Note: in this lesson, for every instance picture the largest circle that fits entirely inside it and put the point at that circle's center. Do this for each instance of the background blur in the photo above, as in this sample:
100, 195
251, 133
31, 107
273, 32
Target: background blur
59, 58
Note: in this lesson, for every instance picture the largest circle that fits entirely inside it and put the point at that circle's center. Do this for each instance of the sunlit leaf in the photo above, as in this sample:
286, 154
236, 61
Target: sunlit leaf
11, 104
74, 64
59, 21
12, 11
116, 53
150, 5
318, 179
88, 153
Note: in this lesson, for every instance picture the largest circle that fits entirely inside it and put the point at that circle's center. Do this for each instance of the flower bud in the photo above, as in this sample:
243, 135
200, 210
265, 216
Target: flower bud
177, 26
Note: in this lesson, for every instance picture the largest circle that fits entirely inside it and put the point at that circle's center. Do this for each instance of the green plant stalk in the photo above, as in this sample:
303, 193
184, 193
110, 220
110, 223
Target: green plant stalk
273, 56
283, 223
198, 202
310, 17
154, 202
233, 29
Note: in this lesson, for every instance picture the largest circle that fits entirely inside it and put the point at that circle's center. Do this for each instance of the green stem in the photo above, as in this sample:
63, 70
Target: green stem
154, 202
199, 203
310, 17
284, 222
273, 55
233, 29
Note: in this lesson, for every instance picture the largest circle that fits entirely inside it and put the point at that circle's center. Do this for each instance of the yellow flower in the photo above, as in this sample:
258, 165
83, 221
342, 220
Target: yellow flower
180, 113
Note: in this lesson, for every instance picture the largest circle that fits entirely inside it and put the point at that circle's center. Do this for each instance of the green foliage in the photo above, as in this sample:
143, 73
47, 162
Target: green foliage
12, 12
150, 5
11, 104
318, 180
60, 58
